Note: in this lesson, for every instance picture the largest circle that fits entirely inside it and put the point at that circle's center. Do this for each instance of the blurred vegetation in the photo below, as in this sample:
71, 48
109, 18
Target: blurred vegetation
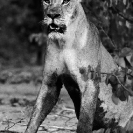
115, 18
21, 33
18, 20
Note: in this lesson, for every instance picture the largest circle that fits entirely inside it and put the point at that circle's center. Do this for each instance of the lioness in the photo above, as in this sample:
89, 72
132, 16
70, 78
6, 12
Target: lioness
73, 46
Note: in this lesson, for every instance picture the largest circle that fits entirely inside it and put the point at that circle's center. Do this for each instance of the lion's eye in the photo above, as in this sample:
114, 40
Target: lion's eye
66, 1
47, 1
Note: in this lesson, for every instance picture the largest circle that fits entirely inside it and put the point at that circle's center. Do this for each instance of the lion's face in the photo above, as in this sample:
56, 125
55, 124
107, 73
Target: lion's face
58, 15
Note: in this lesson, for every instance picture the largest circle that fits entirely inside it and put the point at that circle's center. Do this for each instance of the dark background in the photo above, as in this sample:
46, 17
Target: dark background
21, 20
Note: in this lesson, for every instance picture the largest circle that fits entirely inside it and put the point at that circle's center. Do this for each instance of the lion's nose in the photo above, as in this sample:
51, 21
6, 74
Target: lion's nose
53, 15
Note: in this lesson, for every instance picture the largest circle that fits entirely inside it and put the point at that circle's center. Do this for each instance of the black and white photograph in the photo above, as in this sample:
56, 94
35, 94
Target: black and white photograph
66, 66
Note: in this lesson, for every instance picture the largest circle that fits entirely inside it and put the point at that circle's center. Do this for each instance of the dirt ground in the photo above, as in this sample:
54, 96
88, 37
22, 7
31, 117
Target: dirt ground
16, 106
18, 91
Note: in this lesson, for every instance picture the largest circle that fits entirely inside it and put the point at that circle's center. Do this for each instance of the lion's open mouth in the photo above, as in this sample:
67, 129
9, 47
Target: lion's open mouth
56, 28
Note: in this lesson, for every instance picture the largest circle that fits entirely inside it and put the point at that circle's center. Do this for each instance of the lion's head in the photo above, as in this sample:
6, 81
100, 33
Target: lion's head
58, 15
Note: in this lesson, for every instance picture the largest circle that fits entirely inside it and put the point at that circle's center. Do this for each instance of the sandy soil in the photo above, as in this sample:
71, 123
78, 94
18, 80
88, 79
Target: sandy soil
18, 91
16, 102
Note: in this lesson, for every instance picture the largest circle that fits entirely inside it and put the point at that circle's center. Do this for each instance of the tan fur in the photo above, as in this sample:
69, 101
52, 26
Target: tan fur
78, 48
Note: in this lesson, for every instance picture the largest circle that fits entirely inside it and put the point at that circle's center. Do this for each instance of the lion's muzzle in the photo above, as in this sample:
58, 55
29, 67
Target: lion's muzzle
56, 28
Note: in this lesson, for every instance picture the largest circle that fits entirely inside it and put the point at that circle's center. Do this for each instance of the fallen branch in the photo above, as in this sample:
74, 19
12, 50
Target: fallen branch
63, 128
14, 123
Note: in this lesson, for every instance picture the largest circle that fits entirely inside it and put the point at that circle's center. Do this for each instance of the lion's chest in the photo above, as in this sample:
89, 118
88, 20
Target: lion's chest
76, 60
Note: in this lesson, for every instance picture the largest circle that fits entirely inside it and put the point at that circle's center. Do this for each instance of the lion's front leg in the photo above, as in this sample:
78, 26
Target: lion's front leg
47, 98
88, 107
89, 91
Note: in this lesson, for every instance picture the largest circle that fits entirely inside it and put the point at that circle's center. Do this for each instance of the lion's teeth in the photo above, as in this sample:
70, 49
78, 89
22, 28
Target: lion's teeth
57, 28
51, 27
